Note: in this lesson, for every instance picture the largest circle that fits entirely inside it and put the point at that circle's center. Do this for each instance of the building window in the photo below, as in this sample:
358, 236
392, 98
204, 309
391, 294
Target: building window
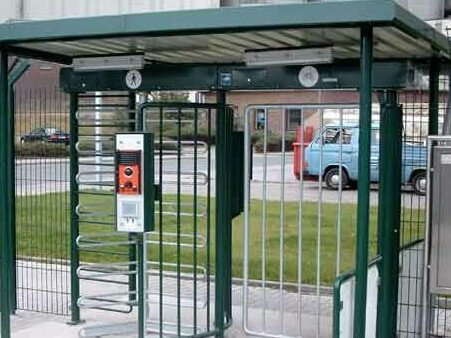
260, 119
294, 118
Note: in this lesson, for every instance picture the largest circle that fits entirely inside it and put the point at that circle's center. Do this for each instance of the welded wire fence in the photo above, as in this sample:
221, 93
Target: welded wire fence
42, 203
438, 320
413, 220
42, 200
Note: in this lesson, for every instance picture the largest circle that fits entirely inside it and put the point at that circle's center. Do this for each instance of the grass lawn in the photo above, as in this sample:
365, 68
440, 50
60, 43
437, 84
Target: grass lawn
43, 231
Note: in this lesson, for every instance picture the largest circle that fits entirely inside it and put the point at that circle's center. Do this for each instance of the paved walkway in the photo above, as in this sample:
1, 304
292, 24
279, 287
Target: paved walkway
27, 324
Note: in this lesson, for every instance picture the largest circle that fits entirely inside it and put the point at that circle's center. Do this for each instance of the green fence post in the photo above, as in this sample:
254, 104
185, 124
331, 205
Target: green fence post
15, 74
363, 207
222, 212
228, 231
132, 112
74, 202
132, 257
11, 190
389, 209
434, 97
141, 260
434, 92
6, 259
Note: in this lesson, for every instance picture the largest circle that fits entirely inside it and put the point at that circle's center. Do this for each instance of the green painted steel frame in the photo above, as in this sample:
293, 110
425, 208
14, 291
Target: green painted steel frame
434, 91
389, 212
434, 98
141, 280
223, 20
132, 250
389, 222
210, 21
363, 206
14, 75
223, 212
7, 206
5, 210
74, 202
386, 75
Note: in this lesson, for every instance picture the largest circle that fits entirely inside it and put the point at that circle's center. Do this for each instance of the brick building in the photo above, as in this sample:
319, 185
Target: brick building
306, 102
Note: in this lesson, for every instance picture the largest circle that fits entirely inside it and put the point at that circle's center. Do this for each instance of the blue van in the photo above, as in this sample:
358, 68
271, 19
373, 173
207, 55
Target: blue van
327, 141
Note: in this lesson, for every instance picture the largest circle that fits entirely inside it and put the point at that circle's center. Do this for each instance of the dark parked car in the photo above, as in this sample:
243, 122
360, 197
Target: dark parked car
51, 135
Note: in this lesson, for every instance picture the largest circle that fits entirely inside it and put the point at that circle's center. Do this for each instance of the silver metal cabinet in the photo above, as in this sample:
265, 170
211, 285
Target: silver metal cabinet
440, 278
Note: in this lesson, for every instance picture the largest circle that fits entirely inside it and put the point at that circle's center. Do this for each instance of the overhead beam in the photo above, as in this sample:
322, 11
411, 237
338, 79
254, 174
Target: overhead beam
386, 75
39, 55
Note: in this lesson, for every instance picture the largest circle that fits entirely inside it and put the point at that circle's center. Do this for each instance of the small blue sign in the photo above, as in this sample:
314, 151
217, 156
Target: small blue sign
225, 79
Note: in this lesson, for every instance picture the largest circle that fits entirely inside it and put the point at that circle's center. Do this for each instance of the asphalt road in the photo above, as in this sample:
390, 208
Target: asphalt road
37, 176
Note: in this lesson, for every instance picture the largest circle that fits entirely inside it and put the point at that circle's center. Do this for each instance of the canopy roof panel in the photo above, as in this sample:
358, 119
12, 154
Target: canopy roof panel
222, 36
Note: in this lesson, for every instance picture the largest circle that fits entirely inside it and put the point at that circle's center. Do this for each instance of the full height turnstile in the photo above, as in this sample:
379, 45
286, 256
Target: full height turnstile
174, 278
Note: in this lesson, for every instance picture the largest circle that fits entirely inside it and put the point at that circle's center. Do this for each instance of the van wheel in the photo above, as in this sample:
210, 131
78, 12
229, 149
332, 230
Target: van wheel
419, 183
332, 178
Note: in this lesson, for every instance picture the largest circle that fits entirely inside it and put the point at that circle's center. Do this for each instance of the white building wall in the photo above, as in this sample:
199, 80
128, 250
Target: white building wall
425, 9
7, 10
54, 9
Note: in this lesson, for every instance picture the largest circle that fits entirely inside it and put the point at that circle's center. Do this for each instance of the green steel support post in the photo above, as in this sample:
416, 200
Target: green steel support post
363, 207
389, 213
132, 249
141, 287
434, 92
74, 201
228, 230
11, 190
139, 125
434, 98
132, 108
6, 266
222, 214
14, 75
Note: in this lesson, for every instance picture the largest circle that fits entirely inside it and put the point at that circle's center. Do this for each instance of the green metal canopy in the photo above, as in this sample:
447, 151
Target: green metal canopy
363, 30
223, 35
